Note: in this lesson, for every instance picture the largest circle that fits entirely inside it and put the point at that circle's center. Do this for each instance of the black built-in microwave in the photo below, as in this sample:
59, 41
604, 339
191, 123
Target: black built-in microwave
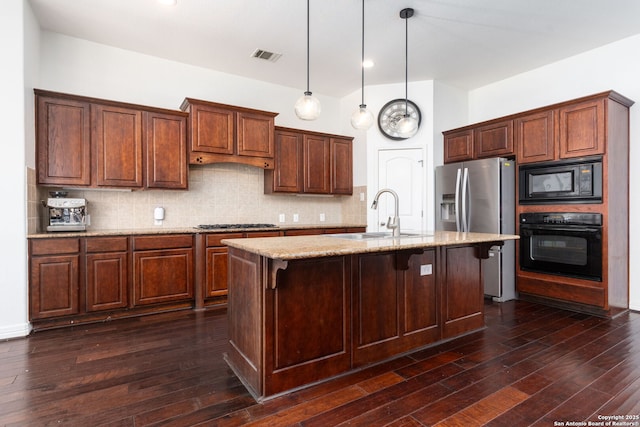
562, 181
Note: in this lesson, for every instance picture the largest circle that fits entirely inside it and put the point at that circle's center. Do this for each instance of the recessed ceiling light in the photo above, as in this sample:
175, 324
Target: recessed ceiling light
168, 2
367, 63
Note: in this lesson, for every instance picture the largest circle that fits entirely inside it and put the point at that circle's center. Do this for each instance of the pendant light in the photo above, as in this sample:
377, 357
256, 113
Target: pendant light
362, 118
407, 125
307, 106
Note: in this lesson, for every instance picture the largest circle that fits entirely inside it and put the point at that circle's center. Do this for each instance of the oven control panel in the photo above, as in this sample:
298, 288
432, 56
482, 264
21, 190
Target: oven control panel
567, 218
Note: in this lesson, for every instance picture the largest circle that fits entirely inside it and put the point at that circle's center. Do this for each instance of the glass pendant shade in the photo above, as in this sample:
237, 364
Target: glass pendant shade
362, 118
407, 126
307, 107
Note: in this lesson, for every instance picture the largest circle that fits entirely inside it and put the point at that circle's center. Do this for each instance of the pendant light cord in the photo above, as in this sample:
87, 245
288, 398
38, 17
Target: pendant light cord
307, 92
406, 65
362, 62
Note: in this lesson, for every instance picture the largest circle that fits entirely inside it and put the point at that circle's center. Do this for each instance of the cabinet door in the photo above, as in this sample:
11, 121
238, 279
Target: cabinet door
341, 166
54, 286
462, 290
255, 135
117, 138
494, 140
287, 174
107, 273
107, 281
211, 129
421, 321
216, 282
582, 129
165, 139
309, 294
163, 276
63, 145
376, 308
317, 165
458, 146
534, 135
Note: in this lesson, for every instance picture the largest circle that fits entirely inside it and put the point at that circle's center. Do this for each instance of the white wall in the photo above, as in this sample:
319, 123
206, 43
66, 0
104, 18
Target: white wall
422, 94
81, 67
14, 22
615, 66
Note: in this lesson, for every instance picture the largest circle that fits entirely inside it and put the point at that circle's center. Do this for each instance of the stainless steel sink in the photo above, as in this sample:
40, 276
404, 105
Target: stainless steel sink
373, 235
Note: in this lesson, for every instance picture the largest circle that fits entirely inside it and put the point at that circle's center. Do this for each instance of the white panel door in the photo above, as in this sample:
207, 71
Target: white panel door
402, 171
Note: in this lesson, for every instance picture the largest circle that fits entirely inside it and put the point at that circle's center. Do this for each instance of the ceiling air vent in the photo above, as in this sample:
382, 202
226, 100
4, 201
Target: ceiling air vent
266, 55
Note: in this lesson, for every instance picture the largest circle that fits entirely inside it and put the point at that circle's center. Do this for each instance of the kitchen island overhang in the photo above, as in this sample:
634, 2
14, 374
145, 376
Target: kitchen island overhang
304, 309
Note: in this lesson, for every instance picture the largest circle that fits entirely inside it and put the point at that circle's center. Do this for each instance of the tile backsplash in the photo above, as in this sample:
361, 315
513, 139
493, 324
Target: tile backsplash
218, 193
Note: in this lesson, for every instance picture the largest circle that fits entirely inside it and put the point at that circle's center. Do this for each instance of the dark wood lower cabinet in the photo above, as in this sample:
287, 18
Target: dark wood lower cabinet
163, 269
107, 273
54, 278
296, 322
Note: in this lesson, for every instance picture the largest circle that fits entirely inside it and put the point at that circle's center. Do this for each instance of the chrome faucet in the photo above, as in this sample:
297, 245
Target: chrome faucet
394, 221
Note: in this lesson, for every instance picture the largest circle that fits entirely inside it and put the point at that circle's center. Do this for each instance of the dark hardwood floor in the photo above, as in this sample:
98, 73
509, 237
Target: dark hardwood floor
532, 365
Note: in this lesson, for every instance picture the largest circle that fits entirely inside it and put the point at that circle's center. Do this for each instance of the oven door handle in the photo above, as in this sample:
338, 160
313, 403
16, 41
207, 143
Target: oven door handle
528, 229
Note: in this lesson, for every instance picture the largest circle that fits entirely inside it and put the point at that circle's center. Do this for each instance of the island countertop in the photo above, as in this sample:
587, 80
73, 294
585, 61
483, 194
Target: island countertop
301, 247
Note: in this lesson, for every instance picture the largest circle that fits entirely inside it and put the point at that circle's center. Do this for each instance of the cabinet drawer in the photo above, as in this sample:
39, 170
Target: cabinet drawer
143, 243
107, 244
54, 246
214, 239
263, 234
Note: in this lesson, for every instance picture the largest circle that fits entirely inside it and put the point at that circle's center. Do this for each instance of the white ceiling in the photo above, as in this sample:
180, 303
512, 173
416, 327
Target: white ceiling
466, 43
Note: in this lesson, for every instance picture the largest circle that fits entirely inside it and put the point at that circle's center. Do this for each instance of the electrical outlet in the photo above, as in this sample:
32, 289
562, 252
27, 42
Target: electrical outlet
281, 217
362, 197
295, 218
322, 217
426, 269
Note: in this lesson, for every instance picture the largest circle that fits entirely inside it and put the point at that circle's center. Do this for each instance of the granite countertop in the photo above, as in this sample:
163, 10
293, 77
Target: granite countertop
179, 230
299, 247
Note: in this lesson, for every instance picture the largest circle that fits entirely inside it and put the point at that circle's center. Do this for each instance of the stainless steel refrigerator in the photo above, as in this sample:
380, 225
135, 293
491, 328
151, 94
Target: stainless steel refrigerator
479, 196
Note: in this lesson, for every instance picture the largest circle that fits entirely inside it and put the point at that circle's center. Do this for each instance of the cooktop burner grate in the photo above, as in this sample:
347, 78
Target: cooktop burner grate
223, 226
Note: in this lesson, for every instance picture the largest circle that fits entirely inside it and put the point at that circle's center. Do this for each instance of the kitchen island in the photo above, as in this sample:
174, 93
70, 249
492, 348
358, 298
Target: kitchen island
308, 308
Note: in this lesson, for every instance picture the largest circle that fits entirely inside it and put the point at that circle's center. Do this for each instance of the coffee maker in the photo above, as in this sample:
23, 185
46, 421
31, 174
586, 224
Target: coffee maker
66, 214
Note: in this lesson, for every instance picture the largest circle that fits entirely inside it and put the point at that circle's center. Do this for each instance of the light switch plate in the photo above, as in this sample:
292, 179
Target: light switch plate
426, 269
281, 218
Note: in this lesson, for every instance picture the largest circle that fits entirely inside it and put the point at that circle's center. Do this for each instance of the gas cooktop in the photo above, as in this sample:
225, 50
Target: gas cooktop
223, 226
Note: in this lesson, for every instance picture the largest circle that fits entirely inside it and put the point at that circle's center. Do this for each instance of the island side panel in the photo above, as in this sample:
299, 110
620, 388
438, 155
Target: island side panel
462, 290
307, 324
244, 311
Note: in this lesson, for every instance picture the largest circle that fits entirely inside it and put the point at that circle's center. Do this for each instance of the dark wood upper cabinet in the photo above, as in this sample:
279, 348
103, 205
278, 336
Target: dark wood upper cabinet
310, 162
494, 140
220, 133
316, 164
255, 134
534, 136
341, 151
165, 143
117, 137
63, 144
458, 145
582, 129
89, 142
286, 176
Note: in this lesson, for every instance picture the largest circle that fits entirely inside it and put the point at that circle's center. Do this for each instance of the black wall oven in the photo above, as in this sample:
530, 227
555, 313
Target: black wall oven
566, 244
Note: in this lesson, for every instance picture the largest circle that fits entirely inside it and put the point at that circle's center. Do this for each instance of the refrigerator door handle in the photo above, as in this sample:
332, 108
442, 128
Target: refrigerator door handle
465, 189
457, 200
